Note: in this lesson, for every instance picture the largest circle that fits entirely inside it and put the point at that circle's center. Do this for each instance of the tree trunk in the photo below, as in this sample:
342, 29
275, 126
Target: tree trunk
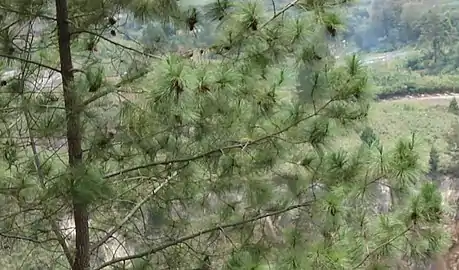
80, 211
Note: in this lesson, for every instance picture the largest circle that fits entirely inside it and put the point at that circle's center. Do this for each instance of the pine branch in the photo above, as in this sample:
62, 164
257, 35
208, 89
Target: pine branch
202, 232
131, 214
97, 96
118, 44
41, 177
383, 245
272, 18
21, 13
28, 239
28, 61
109, 91
241, 145
38, 166
5, 28
282, 11
274, 7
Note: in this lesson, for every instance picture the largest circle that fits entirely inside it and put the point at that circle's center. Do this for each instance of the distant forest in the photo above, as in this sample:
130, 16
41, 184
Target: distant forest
367, 26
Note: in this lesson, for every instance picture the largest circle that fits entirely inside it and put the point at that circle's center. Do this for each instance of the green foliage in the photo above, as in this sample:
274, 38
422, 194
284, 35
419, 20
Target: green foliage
453, 107
452, 140
210, 159
369, 136
95, 78
434, 160
438, 37
88, 186
426, 36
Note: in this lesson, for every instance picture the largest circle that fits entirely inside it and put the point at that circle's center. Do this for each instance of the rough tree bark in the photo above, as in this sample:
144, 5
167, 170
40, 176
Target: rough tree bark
75, 156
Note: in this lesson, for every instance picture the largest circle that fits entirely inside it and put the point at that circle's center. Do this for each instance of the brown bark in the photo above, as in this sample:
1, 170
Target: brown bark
80, 211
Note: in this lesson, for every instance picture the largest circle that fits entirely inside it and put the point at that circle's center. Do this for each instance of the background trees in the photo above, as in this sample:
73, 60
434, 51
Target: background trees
171, 160
392, 24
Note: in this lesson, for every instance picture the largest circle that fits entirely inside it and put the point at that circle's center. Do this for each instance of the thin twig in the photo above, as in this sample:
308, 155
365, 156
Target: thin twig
274, 7
130, 214
25, 238
282, 11
38, 14
381, 246
118, 44
12, 57
41, 178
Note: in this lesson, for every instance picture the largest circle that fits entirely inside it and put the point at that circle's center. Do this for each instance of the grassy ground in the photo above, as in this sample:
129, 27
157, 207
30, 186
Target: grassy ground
428, 119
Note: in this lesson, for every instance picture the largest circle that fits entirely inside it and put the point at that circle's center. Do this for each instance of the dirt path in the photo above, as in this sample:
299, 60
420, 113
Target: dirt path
422, 97
383, 57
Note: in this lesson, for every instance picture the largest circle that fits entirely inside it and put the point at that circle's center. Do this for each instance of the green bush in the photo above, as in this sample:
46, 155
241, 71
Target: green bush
453, 107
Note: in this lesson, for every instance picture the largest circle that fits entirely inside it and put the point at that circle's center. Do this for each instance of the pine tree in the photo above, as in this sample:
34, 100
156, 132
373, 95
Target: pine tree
434, 160
453, 106
368, 136
453, 149
191, 161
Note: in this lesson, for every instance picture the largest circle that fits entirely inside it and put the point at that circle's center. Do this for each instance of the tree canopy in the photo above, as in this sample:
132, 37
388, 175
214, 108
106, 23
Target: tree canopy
226, 156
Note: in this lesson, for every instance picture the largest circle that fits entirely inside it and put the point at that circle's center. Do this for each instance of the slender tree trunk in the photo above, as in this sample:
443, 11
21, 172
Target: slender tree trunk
80, 211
